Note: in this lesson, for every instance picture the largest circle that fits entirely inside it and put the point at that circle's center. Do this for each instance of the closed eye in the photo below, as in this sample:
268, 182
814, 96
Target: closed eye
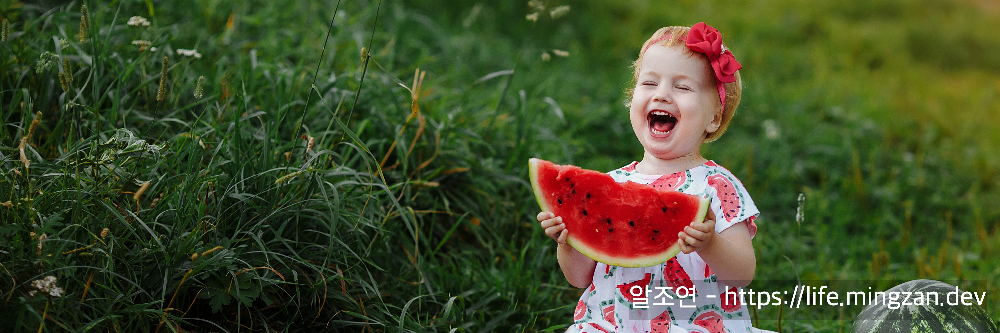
684, 88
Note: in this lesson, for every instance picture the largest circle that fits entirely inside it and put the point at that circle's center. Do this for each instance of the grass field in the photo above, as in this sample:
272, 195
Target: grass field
361, 165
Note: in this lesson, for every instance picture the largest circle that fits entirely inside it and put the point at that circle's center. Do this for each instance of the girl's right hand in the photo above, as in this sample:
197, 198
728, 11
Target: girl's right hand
553, 226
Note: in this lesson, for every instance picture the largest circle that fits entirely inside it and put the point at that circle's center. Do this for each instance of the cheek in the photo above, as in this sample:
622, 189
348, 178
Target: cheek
637, 115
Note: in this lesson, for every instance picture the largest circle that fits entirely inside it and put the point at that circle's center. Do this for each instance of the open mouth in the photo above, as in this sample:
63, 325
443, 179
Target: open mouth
661, 122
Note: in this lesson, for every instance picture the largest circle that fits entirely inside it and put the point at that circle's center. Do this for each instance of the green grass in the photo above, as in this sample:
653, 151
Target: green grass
409, 210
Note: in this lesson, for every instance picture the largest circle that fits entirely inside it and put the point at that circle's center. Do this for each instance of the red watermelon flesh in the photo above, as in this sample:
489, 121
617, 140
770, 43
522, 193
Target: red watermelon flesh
669, 182
730, 300
598, 327
711, 321
626, 289
661, 324
622, 224
676, 277
609, 314
581, 310
729, 200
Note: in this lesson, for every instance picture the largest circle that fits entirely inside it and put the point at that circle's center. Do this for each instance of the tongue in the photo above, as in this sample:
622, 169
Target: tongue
663, 126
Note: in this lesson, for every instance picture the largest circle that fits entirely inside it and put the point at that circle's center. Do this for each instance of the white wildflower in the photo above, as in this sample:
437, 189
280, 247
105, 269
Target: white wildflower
138, 21
907, 157
40, 240
546, 56
45, 61
771, 129
532, 17
142, 44
47, 285
56, 291
560, 53
799, 215
189, 53
559, 11
537, 5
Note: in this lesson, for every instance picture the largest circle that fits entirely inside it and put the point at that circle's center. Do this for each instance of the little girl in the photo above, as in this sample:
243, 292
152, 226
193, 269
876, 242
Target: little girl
687, 87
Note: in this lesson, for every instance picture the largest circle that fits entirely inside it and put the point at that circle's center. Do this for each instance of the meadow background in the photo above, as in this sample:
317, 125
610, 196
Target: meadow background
361, 165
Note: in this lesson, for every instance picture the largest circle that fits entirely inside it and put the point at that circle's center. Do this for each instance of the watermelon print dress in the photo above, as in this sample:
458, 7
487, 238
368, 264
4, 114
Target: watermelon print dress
681, 294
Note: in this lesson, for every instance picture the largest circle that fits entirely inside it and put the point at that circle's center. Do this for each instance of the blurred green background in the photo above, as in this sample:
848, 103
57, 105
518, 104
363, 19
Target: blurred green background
408, 209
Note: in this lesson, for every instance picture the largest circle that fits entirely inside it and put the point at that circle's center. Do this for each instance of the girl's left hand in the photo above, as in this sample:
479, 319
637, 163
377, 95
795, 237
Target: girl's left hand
698, 235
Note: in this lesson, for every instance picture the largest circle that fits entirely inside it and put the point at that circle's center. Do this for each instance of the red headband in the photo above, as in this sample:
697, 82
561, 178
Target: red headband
706, 39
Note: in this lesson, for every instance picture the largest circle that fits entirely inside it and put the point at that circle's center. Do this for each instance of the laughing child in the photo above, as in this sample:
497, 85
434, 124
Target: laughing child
687, 88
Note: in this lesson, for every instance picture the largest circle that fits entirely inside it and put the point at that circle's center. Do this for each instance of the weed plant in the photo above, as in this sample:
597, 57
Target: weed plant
360, 165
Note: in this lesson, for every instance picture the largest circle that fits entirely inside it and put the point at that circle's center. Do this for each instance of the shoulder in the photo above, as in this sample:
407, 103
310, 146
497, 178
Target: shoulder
731, 200
626, 173
630, 167
715, 174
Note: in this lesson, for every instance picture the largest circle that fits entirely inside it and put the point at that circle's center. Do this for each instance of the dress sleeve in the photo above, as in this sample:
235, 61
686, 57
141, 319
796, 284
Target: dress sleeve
731, 202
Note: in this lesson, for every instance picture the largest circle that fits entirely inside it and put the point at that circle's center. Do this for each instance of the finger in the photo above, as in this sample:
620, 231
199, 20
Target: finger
544, 216
551, 222
684, 247
691, 241
554, 231
711, 215
685, 239
562, 236
557, 221
707, 226
694, 233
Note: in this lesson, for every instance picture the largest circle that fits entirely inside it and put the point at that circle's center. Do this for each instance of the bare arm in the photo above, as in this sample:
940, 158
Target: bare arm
729, 254
576, 267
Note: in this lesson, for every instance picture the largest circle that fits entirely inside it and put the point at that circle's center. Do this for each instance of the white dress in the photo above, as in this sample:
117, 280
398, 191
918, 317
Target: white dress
681, 292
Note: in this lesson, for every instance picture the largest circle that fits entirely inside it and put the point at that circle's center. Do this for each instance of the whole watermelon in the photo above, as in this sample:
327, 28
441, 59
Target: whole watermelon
938, 317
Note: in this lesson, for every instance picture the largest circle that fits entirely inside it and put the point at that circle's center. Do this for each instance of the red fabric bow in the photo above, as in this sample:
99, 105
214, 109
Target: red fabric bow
706, 39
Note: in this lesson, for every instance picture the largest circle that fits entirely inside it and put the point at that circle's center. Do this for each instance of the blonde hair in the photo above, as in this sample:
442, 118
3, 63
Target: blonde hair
676, 36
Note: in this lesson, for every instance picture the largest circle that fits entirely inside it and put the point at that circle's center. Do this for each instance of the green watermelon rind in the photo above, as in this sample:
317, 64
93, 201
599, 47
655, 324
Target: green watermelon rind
877, 318
599, 256
533, 165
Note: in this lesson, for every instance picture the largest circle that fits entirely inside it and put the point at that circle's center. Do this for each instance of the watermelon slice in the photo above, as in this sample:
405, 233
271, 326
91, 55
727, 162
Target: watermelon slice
661, 324
620, 224
711, 321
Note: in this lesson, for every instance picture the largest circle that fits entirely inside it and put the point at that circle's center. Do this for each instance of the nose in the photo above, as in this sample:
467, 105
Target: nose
662, 96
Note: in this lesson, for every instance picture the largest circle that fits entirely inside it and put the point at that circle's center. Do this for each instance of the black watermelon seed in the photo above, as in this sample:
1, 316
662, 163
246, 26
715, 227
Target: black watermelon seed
609, 221
584, 212
588, 195
656, 231
631, 223
611, 229
664, 209
560, 201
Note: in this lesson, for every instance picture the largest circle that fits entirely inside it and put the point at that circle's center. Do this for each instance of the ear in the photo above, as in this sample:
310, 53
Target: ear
716, 120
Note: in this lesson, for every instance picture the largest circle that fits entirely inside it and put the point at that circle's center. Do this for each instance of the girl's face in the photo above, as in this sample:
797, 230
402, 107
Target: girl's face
675, 103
